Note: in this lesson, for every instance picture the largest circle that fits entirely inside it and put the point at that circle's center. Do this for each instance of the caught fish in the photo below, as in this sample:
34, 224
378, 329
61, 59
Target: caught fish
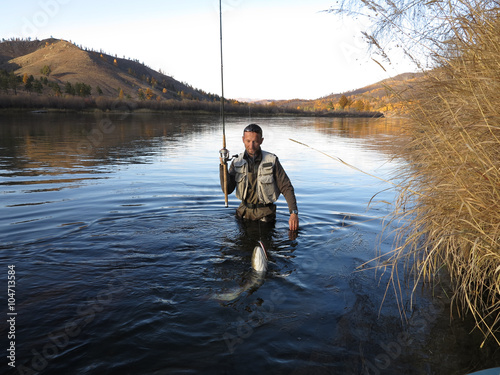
259, 258
255, 279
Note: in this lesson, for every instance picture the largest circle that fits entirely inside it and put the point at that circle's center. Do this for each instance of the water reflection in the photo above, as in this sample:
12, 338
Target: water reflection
135, 201
58, 142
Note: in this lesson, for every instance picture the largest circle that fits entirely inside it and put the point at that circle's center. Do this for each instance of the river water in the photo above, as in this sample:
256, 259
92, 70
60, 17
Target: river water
121, 245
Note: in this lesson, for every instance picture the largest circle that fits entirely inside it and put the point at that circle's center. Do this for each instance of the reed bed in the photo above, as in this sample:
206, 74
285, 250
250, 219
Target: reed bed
450, 200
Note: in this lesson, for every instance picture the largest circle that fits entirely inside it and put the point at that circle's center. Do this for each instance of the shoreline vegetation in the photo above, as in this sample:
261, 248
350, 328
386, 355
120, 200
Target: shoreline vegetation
43, 103
59, 75
449, 203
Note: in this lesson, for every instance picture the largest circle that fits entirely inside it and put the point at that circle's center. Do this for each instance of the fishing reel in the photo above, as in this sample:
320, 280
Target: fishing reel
225, 156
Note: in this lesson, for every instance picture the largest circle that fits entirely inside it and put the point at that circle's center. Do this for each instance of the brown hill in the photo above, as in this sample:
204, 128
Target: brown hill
12, 49
69, 63
111, 77
381, 96
381, 88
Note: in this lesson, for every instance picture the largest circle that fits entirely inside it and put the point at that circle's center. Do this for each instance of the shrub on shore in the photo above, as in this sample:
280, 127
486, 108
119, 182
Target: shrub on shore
449, 202
451, 195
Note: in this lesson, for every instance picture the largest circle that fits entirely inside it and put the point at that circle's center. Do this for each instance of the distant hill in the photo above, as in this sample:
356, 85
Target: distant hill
12, 49
69, 63
54, 64
381, 96
381, 88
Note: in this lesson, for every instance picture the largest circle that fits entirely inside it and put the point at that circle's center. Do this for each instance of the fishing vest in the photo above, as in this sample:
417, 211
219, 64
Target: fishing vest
267, 189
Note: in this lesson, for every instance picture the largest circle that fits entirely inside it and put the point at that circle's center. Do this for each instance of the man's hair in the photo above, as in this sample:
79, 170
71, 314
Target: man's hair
254, 128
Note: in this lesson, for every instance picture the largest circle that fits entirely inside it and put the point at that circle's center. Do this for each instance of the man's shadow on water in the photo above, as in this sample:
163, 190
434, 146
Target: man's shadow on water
251, 232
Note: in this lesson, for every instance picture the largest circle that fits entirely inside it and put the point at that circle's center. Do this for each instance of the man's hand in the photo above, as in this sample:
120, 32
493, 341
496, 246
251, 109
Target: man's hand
294, 222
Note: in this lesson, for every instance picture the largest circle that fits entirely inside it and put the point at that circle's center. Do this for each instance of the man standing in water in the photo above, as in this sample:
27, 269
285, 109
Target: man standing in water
259, 179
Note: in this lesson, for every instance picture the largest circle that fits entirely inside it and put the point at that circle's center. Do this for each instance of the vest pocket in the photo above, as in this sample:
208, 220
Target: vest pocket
268, 193
267, 179
241, 182
266, 172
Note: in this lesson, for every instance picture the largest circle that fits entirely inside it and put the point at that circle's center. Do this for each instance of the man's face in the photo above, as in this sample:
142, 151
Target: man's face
252, 142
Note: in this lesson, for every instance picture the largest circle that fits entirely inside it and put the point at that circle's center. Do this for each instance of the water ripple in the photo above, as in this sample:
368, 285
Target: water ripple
119, 252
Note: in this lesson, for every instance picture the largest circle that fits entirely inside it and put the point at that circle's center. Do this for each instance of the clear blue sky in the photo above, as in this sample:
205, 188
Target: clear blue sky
274, 49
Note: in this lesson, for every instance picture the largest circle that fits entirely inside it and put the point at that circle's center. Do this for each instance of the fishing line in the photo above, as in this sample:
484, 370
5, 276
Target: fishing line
355, 168
222, 78
224, 153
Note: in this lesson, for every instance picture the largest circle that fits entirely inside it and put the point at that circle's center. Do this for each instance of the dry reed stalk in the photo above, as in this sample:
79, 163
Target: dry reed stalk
454, 158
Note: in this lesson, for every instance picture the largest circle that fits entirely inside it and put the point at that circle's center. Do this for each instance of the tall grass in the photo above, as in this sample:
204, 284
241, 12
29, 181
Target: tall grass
451, 196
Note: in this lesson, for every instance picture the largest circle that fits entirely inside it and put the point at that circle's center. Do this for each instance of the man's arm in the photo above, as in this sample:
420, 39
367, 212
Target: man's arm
286, 188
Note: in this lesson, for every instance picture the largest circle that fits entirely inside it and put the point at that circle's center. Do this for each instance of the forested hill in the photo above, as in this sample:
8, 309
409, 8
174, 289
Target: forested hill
59, 62
382, 96
54, 73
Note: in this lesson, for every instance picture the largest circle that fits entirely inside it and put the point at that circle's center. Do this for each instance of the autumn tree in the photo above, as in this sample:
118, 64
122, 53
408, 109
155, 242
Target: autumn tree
46, 70
140, 94
359, 105
343, 101
28, 82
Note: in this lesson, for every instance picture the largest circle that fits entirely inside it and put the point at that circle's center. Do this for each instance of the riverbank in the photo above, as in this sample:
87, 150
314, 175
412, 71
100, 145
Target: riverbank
40, 104
451, 190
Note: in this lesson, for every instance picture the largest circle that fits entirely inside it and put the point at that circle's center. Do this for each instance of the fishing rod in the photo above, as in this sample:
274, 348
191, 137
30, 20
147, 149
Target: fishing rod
224, 153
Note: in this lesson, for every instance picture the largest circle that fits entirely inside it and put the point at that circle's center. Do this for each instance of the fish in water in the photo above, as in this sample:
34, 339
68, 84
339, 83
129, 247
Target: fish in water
259, 258
256, 278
